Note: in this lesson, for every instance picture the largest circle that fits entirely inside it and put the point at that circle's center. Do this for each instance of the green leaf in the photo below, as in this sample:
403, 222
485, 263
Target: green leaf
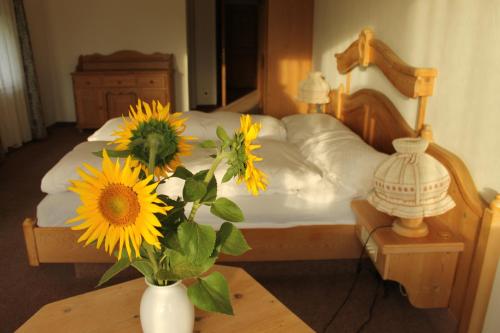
227, 210
144, 267
193, 190
208, 144
200, 175
171, 240
222, 134
231, 240
230, 173
211, 194
117, 267
113, 153
196, 240
211, 293
182, 173
183, 267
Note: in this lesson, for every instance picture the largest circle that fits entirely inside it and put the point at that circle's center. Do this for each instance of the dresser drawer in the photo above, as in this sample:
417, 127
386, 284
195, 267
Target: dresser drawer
151, 81
87, 81
119, 81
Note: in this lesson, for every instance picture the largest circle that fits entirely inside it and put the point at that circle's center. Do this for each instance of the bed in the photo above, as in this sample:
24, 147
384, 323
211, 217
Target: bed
372, 116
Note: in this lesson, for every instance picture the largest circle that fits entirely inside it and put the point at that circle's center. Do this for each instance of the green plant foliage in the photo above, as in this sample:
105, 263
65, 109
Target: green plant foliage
182, 172
230, 240
180, 267
188, 249
117, 267
222, 134
144, 266
227, 210
193, 190
211, 293
196, 240
208, 144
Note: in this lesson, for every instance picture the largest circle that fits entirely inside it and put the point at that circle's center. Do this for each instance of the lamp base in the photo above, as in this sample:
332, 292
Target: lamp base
413, 228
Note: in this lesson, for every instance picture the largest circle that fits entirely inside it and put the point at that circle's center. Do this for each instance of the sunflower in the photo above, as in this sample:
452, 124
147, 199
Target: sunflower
254, 178
146, 122
117, 207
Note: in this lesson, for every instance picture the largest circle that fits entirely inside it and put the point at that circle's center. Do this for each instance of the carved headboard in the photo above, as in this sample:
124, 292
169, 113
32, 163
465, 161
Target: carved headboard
374, 117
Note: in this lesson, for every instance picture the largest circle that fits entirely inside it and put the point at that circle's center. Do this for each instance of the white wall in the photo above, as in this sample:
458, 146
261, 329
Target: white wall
458, 37
61, 30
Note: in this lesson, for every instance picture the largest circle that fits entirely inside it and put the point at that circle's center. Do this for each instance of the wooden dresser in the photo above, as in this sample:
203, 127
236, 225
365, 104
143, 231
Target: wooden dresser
105, 85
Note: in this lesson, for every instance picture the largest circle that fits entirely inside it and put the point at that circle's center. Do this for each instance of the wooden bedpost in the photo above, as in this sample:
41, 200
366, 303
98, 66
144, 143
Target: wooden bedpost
483, 271
426, 133
29, 240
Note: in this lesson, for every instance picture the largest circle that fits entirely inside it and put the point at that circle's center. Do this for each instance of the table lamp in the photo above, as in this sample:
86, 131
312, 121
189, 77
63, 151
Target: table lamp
314, 90
411, 185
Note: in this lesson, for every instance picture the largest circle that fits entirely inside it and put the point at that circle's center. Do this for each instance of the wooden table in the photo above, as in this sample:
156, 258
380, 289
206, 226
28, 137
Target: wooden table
116, 309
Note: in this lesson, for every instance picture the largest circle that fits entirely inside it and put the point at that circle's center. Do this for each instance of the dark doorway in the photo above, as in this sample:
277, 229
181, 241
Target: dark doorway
237, 48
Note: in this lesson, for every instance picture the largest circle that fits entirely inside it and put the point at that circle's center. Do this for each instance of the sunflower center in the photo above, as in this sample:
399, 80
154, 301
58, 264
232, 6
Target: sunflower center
119, 204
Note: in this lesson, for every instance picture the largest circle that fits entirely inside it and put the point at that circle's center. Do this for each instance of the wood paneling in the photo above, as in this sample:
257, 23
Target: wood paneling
288, 54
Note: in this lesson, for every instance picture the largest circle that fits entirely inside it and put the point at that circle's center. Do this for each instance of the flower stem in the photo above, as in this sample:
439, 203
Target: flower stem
208, 178
153, 144
152, 259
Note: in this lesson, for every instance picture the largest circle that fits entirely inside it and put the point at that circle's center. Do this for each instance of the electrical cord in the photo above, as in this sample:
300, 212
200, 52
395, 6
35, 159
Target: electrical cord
372, 306
356, 278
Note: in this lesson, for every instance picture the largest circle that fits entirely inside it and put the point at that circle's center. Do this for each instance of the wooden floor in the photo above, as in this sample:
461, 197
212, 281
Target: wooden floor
313, 290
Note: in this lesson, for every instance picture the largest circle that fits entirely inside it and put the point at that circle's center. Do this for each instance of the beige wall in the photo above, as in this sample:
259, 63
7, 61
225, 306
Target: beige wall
61, 30
461, 39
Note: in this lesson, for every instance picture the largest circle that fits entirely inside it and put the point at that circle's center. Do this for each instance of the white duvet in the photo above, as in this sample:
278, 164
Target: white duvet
315, 167
287, 170
264, 211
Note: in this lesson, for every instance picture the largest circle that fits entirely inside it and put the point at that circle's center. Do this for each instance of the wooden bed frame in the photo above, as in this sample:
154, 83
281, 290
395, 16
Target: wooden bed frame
371, 115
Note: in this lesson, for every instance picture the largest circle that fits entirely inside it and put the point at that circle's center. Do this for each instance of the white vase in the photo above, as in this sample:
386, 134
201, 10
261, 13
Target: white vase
166, 309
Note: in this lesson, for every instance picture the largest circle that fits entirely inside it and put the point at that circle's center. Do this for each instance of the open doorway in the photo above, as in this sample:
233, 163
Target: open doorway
237, 48
224, 43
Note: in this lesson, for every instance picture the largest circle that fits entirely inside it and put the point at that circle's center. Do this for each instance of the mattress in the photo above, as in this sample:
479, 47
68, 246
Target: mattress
265, 211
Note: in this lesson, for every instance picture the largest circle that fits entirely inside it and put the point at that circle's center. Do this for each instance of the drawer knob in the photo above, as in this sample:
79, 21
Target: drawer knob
151, 81
87, 82
119, 82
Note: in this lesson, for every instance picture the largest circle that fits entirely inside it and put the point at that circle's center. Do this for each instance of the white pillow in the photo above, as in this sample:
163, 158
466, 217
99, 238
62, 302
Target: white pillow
300, 127
341, 154
105, 132
285, 167
203, 125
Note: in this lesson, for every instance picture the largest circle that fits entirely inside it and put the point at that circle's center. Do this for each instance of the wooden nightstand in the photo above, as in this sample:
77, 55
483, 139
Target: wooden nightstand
424, 266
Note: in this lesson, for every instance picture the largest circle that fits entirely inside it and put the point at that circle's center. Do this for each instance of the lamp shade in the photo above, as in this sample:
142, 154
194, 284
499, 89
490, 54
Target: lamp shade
314, 89
411, 184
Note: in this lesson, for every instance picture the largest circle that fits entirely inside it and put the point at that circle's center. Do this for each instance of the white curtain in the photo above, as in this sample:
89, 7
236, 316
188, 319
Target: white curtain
14, 121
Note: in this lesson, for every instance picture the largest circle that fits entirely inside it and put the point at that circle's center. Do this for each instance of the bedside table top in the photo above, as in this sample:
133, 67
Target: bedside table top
439, 239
